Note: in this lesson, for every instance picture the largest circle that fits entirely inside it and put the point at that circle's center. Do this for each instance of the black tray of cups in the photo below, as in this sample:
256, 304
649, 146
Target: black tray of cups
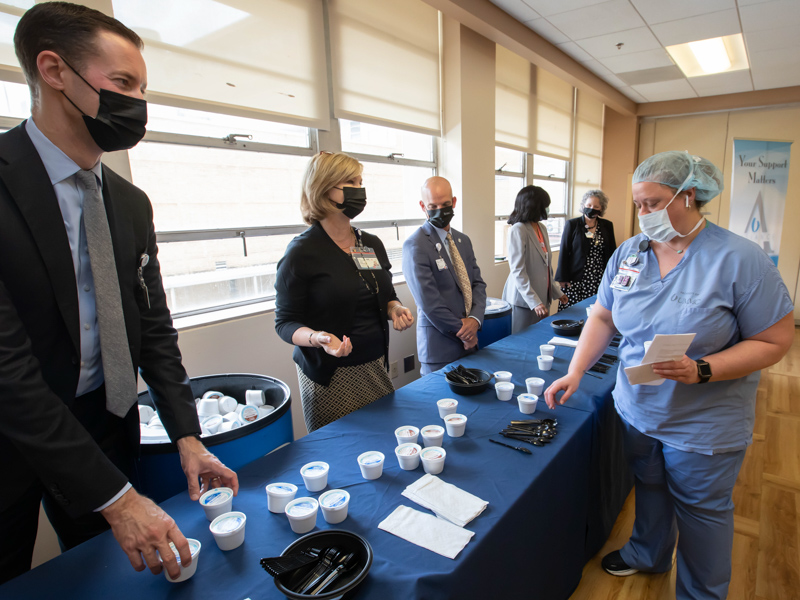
467, 382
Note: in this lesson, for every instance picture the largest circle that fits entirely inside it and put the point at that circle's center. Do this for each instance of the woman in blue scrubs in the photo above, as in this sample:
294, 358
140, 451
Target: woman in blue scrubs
685, 439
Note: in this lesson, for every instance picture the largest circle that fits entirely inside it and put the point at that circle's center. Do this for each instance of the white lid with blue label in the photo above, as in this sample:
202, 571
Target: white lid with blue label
314, 469
228, 523
217, 496
334, 499
371, 458
282, 489
301, 507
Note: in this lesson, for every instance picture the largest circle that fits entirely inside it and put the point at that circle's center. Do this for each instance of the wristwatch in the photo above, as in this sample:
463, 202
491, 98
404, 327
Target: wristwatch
703, 371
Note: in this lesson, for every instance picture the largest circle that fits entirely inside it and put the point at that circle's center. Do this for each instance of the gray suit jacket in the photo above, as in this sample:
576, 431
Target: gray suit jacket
440, 302
526, 285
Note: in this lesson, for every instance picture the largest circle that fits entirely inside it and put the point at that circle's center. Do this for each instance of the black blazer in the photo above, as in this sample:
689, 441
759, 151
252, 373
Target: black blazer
316, 286
40, 437
575, 248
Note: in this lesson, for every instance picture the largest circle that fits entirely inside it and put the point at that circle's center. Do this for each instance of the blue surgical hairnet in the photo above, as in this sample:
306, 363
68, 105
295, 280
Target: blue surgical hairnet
673, 168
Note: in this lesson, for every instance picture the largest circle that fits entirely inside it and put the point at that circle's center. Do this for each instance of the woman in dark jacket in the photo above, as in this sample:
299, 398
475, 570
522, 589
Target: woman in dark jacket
334, 296
586, 245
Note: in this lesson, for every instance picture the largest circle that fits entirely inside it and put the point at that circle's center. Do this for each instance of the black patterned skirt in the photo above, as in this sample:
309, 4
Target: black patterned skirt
592, 275
350, 389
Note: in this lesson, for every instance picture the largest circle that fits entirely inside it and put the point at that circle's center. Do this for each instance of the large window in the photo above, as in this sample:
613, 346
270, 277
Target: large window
513, 171
226, 197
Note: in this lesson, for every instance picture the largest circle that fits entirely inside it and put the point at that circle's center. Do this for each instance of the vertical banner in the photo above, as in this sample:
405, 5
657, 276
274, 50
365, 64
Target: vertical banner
758, 192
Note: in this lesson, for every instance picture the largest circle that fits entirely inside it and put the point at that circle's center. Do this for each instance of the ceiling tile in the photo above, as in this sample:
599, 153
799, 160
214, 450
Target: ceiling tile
775, 77
723, 83
651, 75
659, 11
575, 51
549, 7
638, 61
767, 15
749, 2
782, 38
604, 73
598, 19
517, 9
702, 27
546, 29
633, 40
633, 94
667, 90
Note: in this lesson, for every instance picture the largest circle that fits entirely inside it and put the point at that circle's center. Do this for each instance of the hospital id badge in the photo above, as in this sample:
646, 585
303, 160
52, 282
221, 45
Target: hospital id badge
625, 278
365, 259
441, 264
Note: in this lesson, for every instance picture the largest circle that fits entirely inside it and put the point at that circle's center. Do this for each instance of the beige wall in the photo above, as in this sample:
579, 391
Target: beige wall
711, 136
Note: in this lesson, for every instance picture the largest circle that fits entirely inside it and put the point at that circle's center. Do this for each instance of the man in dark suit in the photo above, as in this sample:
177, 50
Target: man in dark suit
443, 276
62, 439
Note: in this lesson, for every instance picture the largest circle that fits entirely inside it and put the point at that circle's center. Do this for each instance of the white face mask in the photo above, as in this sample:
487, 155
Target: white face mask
657, 225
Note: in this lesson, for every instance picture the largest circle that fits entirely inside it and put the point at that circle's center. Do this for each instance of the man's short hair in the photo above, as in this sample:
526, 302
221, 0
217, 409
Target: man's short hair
324, 172
69, 30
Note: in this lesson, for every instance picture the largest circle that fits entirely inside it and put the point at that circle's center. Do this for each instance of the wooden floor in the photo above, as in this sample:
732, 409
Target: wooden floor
766, 542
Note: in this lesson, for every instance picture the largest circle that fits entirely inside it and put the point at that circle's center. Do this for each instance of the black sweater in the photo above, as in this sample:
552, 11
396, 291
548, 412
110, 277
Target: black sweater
575, 248
317, 286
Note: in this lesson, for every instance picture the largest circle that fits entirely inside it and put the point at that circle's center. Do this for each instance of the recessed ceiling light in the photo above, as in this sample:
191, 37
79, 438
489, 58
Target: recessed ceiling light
707, 57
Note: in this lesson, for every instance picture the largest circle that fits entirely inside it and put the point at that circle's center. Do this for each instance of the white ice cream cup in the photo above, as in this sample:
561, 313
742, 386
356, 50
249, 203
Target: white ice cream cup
407, 434
433, 460
334, 505
547, 350
279, 495
145, 413
264, 411
247, 414
302, 514
408, 456
228, 530
447, 406
432, 435
456, 424
227, 426
212, 424
527, 403
371, 464
208, 407
315, 475
186, 572
502, 376
213, 394
504, 390
535, 385
227, 404
254, 397
216, 502
545, 362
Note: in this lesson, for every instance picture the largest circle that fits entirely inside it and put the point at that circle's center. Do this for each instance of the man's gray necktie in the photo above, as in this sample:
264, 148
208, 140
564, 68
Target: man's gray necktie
117, 366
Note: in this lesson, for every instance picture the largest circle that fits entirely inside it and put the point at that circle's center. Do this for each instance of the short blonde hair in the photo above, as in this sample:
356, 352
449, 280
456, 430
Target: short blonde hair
324, 172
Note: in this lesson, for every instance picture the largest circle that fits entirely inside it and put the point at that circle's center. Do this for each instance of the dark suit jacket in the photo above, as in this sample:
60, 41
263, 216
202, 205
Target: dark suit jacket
316, 286
575, 248
440, 301
40, 437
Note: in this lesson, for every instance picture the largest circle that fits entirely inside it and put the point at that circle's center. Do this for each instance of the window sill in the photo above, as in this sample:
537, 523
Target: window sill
214, 317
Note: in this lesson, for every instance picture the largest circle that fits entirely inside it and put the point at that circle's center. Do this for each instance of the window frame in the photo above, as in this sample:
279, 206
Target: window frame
530, 179
318, 142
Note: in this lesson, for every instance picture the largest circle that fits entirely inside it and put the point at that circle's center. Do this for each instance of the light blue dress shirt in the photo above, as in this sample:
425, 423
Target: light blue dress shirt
725, 289
62, 169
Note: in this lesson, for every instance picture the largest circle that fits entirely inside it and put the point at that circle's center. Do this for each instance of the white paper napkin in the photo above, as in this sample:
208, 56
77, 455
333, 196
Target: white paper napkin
426, 531
446, 500
562, 341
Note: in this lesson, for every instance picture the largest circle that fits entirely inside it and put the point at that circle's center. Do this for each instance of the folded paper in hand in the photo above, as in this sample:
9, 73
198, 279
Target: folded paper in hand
426, 531
664, 348
446, 500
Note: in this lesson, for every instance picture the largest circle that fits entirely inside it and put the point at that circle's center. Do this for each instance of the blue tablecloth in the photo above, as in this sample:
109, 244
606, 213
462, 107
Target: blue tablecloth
531, 541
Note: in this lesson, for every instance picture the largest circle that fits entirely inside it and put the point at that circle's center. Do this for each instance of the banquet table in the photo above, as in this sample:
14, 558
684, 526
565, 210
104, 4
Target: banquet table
547, 511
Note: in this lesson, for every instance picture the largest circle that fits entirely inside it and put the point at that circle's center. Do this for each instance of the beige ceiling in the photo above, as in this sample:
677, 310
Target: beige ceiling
590, 30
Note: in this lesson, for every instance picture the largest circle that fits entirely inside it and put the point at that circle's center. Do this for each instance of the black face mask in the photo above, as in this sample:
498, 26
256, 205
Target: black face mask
355, 199
590, 212
120, 121
441, 217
